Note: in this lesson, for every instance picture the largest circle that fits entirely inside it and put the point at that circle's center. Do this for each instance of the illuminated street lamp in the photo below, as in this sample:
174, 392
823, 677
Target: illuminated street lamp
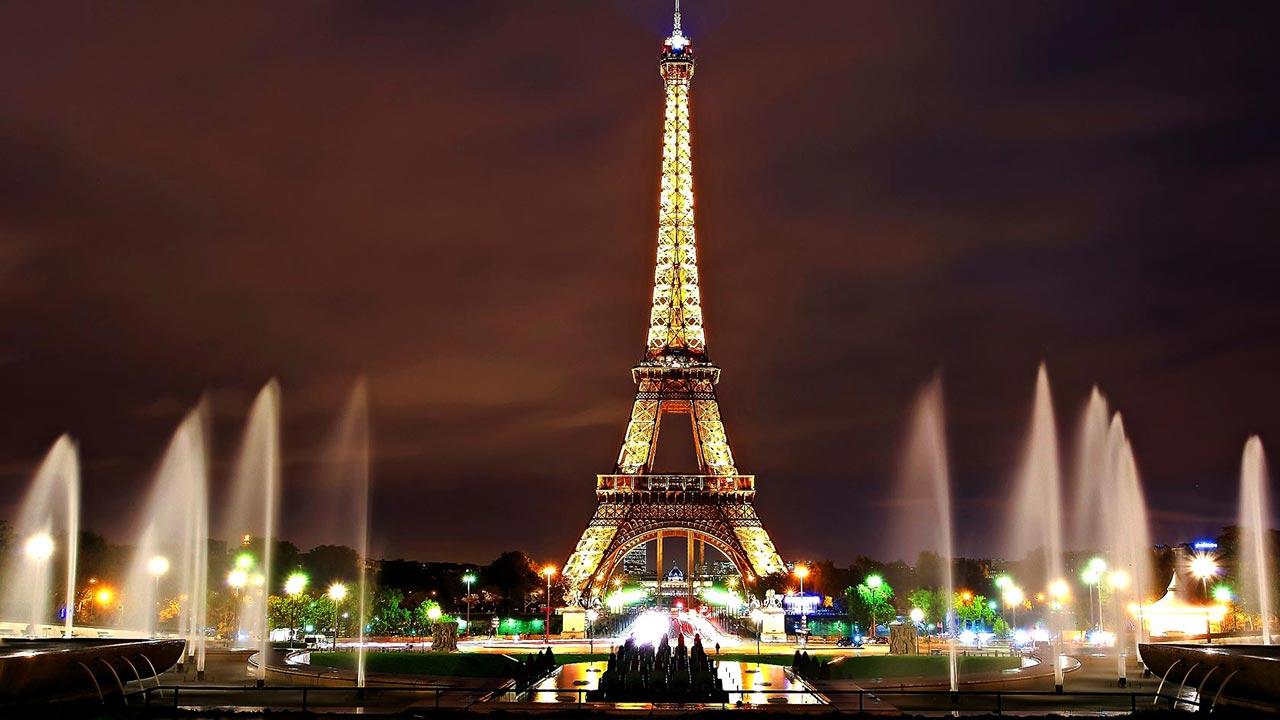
337, 593
548, 572
917, 617
1092, 576
1222, 594
468, 579
237, 579
1204, 566
592, 616
293, 586
1013, 597
802, 572
157, 566
757, 616
874, 582
39, 547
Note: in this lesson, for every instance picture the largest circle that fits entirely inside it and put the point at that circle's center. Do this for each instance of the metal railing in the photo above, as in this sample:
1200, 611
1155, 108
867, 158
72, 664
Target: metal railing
170, 698
679, 483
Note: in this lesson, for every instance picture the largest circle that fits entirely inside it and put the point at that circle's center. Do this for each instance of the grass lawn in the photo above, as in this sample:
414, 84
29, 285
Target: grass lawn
422, 663
903, 666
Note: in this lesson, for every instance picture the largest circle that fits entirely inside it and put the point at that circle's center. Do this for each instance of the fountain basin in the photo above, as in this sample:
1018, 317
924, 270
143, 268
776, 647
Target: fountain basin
1254, 670
34, 669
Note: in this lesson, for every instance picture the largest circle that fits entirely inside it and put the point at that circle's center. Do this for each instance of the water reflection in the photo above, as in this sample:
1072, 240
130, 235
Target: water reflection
753, 683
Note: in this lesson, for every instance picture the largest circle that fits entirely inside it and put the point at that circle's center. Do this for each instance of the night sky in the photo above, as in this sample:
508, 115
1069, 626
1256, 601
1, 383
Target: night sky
457, 200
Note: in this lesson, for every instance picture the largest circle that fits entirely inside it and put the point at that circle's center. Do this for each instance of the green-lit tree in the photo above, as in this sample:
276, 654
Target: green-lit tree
390, 617
930, 601
974, 609
875, 595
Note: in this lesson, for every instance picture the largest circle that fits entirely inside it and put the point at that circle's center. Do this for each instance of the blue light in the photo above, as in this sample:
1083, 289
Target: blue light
1204, 545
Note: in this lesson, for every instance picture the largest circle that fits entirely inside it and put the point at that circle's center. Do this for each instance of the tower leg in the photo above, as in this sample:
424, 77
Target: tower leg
658, 574
688, 572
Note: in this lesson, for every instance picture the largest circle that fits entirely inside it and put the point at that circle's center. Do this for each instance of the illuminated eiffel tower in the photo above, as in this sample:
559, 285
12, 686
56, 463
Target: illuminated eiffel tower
636, 506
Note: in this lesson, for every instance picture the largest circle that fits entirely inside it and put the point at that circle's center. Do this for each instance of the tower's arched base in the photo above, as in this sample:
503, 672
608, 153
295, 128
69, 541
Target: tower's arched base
634, 510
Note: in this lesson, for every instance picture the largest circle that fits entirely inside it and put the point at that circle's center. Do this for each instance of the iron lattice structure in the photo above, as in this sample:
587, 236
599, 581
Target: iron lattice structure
635, 506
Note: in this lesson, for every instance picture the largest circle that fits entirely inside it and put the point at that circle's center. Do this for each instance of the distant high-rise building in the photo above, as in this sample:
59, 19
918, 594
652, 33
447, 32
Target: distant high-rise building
636, 562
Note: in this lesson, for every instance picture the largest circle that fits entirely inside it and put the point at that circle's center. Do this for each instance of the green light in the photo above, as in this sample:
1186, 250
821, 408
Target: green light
468, 578
722, 598
1003, 581
295, 583
1222, 594
623, 597
874, 581
244, 561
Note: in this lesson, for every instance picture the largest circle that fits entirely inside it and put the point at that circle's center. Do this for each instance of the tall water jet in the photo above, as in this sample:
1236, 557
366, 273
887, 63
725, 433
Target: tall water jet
342, 498
1111, 517
252, 512
924, 496
1036, 519
1255, 513
1091, 474
1128, 541
171, 556
52, 502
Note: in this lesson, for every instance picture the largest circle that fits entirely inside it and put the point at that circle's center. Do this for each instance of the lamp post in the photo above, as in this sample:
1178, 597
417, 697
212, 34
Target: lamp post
917, 617
802, 572
1092, 576
874, 582
337, 593
1203, 567
1119, 580
468, 579
38, 549
592, 615
758, 616
1059, 590
548, 572
1013, 597
293, 587
433, 615
157, 566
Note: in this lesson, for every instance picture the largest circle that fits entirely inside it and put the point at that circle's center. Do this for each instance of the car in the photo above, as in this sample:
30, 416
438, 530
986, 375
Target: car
849, 642
316, 641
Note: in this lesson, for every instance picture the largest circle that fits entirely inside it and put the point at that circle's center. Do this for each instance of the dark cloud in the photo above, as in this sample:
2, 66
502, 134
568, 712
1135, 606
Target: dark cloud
456, 200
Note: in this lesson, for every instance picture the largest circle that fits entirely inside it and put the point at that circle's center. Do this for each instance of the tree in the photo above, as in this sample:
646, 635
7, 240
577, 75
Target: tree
513, 576
974, 609
422, 620
875, 593
930, 601
331, 563
286, 611
390, 617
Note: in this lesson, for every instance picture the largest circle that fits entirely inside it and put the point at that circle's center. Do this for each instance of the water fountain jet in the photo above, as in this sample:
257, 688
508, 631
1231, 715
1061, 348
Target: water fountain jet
253, 511
175, 526
1255, 513
52, 502
926, 480
1036, 519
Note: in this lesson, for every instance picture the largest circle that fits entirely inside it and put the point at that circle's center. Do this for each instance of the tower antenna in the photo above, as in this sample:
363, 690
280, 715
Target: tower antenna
677, 22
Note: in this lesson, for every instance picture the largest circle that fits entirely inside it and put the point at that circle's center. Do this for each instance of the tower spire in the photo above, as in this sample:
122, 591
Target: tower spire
675, 319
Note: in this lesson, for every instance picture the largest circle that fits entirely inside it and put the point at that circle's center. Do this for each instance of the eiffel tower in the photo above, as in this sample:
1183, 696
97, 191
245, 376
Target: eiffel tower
635, 506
